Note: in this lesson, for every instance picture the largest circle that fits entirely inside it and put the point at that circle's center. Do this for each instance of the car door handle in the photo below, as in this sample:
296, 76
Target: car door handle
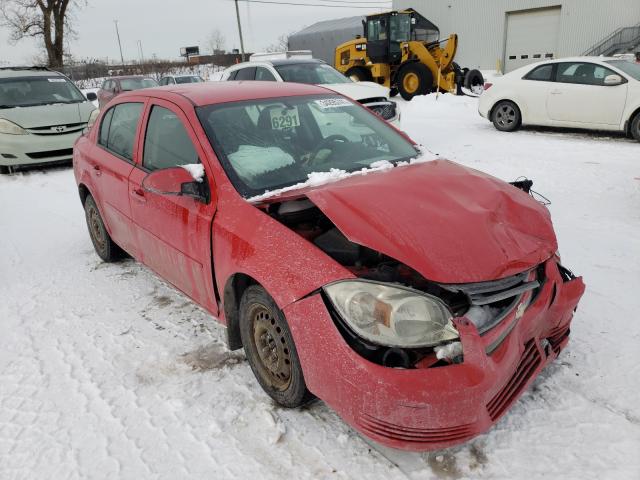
556, 92
138, 195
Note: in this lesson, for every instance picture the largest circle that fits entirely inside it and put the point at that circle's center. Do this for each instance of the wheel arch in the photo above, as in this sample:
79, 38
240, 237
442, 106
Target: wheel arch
83, 191
632, 117
234, 288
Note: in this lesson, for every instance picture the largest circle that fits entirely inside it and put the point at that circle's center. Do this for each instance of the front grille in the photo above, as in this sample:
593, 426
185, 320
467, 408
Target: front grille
374, 426
66, 152
529, 363
386, 110
57, 129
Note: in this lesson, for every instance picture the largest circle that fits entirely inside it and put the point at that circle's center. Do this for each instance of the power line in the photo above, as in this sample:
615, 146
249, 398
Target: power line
312, 4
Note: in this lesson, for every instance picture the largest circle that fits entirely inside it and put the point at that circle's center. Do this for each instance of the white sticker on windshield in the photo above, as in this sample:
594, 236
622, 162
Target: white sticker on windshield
326, 103
282, 118
56, 80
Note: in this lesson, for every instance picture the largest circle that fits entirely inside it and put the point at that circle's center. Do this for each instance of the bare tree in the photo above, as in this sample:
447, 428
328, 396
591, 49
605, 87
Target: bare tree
45, 20
216, 41
281, 45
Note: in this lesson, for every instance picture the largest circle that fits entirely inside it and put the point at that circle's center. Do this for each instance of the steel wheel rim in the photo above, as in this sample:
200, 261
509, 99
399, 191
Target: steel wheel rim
411, 82
96, 228
506, 116
271, 345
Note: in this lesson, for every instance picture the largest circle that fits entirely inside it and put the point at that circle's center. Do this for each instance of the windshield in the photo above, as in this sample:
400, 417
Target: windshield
127, 84
627, 67
32, 91
270, 144
189, 79
314, 73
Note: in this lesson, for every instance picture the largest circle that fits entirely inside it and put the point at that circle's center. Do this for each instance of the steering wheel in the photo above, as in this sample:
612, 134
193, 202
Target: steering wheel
325, 144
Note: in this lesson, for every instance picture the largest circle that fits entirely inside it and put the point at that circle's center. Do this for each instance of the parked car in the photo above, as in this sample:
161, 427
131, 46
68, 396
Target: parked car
114, 86
417, 298
42, 113
180, 79
593, 93
301, 69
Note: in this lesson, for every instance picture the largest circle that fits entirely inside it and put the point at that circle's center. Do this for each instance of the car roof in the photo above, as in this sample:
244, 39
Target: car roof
208, 93
276, 63
10, 72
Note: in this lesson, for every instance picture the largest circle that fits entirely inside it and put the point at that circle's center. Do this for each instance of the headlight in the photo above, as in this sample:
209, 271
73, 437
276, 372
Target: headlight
392, 316
93, 117
11, 128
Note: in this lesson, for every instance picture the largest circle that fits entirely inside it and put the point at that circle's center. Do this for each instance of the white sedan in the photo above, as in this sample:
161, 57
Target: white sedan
294, 67
594, 93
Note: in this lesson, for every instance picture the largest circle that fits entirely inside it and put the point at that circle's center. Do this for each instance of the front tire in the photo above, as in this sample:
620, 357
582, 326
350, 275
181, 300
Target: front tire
414, 79
269, 348
635, 127
105, 247
506, 116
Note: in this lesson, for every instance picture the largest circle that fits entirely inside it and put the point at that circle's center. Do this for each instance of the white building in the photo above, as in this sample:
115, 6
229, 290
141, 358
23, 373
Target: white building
506, 34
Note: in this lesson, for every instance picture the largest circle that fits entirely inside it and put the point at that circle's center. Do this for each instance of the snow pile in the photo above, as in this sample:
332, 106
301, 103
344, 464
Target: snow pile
250, 160
448, 351
196, 170
315, 179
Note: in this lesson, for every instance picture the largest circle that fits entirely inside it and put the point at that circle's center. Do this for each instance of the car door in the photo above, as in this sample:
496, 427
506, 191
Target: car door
112, 159
173, 232
580, 96
534, 90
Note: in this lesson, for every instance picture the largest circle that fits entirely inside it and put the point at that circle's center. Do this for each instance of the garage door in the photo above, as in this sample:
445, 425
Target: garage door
532, 36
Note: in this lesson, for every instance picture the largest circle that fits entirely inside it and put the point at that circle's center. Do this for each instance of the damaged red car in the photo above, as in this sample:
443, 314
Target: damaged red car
417, 298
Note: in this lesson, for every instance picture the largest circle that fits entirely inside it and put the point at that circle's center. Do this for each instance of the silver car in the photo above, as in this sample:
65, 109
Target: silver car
42, 113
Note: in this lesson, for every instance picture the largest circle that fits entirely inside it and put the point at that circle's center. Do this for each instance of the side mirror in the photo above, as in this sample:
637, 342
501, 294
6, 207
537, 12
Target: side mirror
176, 181
92, 97
613, 80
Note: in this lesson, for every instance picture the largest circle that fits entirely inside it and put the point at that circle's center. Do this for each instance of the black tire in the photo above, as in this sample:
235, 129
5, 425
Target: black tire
473, 78
393, 92
414, 79
506, 116
269, 348
4, 170
635, 127
105, 247
359, 74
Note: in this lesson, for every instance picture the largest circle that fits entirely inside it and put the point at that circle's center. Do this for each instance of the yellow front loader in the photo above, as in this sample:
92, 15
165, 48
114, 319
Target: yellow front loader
402, 50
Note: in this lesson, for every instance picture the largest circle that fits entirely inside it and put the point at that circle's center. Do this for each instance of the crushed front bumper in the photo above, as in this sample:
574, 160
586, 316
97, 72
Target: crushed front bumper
30, 149
432, 408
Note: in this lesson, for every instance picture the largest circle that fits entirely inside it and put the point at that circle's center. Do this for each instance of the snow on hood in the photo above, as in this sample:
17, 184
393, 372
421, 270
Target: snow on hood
359, 90
48, 115
450, 223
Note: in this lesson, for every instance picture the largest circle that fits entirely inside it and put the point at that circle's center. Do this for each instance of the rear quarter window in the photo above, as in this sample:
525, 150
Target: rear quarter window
543, 73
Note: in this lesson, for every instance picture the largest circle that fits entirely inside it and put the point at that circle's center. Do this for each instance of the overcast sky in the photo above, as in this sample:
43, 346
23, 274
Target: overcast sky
164, 27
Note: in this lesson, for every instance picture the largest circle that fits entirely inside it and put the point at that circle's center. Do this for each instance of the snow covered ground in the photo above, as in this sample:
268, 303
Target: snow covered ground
107, 372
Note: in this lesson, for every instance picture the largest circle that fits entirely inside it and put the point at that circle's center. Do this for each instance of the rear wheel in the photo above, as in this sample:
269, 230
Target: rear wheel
105, 247
359, 74
414, 79
474, 81
635, 127
506, 116
270, 350
5, 170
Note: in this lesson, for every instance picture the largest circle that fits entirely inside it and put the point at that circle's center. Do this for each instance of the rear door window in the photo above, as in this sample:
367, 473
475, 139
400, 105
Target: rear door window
264, 75
122, 125
543, 73
167, 143
248, 73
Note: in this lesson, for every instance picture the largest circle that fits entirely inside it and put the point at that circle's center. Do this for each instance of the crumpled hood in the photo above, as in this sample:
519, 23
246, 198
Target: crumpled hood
450, 223
359, 90
48, 115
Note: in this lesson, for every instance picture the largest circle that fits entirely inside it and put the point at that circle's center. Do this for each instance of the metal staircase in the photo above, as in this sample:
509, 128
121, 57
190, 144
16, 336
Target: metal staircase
622, 40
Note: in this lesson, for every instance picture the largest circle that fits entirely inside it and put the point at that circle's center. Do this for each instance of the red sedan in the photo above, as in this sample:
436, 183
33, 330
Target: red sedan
417, 298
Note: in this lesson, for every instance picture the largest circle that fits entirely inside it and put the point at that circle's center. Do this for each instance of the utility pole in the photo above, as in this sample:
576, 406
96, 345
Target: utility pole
141, 55
240, 30
119, 44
